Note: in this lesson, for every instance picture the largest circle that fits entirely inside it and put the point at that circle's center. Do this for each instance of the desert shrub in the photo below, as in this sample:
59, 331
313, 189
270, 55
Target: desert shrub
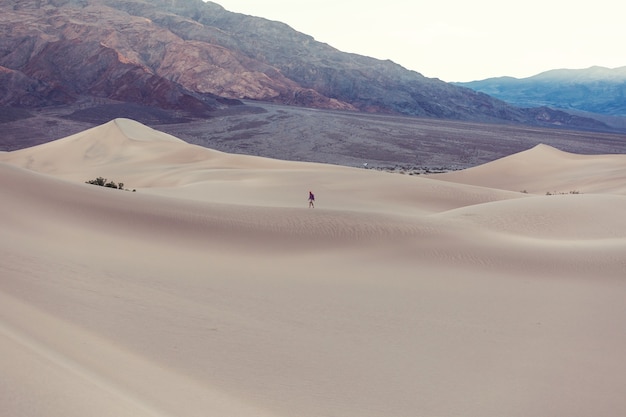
562, 193
98, 181
103, 182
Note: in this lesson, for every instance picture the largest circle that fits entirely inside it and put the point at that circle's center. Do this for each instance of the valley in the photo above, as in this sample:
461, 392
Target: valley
321, 135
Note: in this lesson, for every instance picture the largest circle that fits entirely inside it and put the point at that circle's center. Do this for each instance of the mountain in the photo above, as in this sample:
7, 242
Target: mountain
595, 89
56, 52
193, 58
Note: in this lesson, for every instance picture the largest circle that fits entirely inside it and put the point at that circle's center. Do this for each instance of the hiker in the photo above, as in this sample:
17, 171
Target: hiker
311, 200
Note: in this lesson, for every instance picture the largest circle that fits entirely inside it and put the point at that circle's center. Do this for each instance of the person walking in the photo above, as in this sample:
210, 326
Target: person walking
311, 200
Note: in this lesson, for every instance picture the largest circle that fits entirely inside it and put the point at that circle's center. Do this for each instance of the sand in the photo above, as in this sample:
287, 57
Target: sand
212, 290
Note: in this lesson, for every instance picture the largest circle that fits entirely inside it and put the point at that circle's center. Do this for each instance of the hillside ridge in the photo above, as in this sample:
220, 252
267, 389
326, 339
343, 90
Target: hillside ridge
595, 89
195, 58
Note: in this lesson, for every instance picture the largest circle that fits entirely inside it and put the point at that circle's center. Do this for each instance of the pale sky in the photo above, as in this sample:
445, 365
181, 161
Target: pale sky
460, 40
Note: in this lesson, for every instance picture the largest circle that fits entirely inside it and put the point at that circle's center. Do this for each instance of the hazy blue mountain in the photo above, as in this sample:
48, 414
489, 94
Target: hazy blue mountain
596, 90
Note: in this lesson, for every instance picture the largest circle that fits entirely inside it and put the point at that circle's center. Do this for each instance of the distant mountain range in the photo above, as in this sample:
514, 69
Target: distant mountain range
193, 58
596, 90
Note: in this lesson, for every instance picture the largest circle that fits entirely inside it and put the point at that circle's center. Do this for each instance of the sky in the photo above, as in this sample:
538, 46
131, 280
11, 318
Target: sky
460, 40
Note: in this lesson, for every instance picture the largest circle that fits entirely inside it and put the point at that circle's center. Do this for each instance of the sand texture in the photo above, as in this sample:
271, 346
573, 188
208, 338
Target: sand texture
213, 290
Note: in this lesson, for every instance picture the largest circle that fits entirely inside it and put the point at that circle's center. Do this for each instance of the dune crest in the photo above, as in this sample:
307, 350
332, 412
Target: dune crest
544, 169
215, 290
120, 140
125, 150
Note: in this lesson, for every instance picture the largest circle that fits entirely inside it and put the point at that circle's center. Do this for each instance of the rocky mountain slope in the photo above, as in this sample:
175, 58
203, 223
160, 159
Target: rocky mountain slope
195, 57
596, 90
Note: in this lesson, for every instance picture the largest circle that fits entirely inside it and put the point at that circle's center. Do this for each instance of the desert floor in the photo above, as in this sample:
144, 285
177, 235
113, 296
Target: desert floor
213, 290
291, 133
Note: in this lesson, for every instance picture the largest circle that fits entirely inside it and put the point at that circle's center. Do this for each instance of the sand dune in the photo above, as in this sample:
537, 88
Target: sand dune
214, 290
544, 169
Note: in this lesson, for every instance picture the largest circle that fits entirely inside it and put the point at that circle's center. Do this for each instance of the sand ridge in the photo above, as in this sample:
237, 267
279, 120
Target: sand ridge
544, 169
214, 290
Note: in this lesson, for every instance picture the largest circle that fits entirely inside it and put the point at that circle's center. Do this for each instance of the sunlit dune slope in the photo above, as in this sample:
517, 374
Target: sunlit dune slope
214, 290
544, 169
147, 160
